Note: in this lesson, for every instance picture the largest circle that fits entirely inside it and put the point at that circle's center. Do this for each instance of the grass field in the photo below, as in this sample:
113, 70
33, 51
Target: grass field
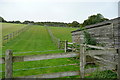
8, 28
62, 33
38, 39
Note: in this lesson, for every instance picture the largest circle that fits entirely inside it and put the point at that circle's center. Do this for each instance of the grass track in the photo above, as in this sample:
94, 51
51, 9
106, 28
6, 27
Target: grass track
35, 39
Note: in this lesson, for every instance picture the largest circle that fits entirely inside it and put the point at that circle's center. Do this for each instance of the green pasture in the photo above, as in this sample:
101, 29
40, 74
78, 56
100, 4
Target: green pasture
8, 28
38, 39
34, 39
63, 33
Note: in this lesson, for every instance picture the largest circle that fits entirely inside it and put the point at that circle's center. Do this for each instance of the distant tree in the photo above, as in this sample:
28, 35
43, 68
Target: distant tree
27, 22
80, 25
2, 20
55, 24
17, 22
74, 24
10, 21
93, 19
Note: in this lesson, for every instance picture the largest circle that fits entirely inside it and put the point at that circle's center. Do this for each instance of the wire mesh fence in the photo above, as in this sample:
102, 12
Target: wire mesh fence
55, 40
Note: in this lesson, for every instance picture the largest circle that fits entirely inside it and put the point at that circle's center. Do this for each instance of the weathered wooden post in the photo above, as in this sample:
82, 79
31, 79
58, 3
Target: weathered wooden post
66, 42
8, 64
58, 43
82, 60
7, 38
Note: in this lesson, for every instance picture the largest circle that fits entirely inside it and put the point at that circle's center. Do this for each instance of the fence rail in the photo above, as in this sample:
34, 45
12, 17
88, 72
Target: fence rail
96, 47
40, 57
97, 55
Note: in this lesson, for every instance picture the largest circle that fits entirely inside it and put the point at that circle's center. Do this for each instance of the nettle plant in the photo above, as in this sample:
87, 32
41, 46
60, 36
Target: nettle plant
88, 39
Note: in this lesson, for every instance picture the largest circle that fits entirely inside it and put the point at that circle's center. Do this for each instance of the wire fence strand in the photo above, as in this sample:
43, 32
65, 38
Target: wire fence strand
55, 40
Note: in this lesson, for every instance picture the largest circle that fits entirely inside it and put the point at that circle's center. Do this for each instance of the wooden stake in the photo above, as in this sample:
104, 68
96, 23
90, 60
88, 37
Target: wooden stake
65, 45
8, 64
82, 61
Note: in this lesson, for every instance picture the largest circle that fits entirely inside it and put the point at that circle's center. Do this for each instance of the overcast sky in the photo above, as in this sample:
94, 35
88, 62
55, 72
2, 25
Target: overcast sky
57, 10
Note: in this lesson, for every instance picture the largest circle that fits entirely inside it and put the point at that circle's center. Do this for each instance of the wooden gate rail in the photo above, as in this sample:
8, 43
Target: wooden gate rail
40, 57
9, 59
94, 53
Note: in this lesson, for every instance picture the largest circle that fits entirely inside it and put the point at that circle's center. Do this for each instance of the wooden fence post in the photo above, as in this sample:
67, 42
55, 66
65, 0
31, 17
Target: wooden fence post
8, 64
85, 54
59, 43
7, 38
82, 60
66, 45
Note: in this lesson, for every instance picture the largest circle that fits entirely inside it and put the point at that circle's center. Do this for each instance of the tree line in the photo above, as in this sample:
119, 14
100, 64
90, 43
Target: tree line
93, 19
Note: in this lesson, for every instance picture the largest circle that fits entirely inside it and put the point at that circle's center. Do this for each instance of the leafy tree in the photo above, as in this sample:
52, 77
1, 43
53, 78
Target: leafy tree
27, 22
56, 24
17, 22
2, 20
74, 24
93, 19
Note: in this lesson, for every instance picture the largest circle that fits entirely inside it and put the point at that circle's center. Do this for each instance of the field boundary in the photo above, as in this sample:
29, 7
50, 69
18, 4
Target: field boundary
102, 51
12, 35
9, 59
55, 40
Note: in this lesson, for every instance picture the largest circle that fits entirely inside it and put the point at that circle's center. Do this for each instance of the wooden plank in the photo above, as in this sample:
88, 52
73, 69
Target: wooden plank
97, 47
66, 42
8, 64
111, 62
101, 52
82, 61
43, 57
53, 75
40, 57
70, 43
69, 48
